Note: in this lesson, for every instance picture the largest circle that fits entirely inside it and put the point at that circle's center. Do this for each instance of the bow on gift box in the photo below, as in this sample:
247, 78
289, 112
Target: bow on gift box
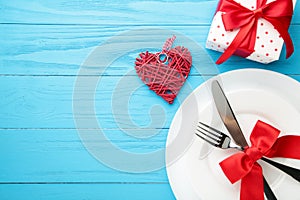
278, 13
264, 143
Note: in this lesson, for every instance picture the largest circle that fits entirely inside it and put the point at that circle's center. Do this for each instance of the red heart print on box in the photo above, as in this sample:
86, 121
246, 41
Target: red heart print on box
165, 72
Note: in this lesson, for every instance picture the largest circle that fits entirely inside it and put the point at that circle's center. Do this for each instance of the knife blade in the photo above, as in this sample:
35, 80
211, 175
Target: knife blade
226, 113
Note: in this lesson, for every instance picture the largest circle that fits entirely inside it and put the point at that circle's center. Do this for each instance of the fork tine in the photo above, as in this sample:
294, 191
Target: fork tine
209, 135
205, 139
215, 137
212, 128
206, 129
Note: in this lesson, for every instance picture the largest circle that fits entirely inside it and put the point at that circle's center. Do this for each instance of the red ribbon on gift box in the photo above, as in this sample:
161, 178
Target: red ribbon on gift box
234, 15
264, 143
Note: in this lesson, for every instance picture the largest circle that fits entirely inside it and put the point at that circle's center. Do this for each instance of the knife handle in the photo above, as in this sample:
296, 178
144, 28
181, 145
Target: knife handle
268, 191
293, 172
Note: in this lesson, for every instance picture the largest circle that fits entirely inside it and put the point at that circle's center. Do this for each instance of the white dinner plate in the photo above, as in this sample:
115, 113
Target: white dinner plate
254, 94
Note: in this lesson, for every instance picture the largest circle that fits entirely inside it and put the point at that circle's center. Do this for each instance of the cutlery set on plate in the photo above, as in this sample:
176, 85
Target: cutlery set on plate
262, 100
223, 141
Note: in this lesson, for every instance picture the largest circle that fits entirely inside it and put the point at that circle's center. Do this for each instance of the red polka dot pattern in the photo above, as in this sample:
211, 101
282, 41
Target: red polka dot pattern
268, 42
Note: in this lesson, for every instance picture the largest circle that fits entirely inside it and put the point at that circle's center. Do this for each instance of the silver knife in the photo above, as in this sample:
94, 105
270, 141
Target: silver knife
232, 125
226, 113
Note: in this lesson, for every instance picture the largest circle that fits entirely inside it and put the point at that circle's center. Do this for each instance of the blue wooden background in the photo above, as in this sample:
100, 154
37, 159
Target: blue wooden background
42, 45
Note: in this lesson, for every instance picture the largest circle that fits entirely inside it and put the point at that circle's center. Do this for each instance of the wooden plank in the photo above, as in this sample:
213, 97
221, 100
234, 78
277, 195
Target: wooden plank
120, 102
58, 156
111, 12
107, 12
86, 191
61, 50
42, 45
33, 152
46, 102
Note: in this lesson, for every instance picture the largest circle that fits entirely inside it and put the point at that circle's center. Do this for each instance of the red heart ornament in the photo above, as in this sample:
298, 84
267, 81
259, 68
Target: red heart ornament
165, 76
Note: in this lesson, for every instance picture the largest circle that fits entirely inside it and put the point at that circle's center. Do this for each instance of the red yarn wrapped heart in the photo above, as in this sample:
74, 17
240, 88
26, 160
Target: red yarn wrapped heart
165, 77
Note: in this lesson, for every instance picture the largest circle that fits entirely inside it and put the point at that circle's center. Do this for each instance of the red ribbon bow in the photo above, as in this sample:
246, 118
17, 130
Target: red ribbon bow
264, 143
278, 13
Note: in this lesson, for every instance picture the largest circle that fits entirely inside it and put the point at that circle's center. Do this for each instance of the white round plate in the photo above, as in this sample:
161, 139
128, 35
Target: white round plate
254, 94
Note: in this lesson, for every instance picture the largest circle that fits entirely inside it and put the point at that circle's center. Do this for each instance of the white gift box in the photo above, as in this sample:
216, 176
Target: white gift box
268, 43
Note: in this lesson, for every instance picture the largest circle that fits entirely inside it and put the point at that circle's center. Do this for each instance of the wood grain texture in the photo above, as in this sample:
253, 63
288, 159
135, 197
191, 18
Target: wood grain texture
58, 156
107, 12
46, 101
42, 47
86, 191
111, 12
61, 50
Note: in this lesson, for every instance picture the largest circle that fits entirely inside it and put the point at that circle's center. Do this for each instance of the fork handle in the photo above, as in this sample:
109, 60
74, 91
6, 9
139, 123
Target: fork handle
293, 172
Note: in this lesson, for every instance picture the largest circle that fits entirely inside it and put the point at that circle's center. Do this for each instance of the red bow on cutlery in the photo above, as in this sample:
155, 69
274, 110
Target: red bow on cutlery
278, 13
264, 143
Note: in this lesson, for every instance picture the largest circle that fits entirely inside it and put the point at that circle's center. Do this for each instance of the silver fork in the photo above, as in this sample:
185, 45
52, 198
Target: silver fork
215, 137
221, 140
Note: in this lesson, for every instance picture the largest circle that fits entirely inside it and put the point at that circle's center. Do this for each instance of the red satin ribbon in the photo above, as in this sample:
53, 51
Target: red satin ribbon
278, 13
243, 165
